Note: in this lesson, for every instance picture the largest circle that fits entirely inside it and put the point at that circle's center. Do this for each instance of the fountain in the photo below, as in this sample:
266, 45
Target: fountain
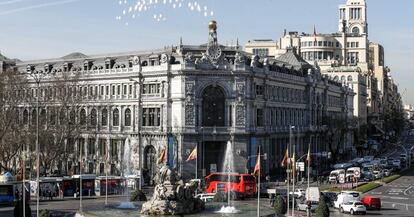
126, 172
171, 196
228, 167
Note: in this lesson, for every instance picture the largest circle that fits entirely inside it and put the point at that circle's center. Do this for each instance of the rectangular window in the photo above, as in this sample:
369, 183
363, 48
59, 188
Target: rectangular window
119, 90
320, 43
259, 118
130, 89
125, 90
102, 90
113, 90
259, 90
102, 147
325, 43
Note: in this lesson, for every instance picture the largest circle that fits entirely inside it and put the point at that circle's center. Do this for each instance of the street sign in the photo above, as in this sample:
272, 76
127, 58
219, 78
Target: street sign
357, 172
342, 178
300, 166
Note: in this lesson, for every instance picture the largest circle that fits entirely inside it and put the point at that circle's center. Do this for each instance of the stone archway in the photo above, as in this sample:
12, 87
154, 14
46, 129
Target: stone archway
150, 164
213, 109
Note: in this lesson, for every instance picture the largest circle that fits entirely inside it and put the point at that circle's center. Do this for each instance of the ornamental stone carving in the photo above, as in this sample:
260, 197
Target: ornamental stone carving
189, 115
172, 196
255, 61
240, 115
164, 58
189, 58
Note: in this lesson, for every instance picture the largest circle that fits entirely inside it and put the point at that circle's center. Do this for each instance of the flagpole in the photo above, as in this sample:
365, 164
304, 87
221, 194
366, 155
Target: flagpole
24, 185
308, 166
106, 175
80, 177
258, 188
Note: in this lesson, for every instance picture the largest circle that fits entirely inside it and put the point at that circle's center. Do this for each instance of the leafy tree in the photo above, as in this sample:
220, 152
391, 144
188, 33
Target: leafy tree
280, 206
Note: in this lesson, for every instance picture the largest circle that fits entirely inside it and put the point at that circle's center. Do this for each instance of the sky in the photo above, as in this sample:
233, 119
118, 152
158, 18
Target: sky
37, 29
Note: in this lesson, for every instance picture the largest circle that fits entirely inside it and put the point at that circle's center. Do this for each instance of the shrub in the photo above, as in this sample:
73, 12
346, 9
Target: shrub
220, 197
323, 209
138, 195
44, 213
18, 209
280, 206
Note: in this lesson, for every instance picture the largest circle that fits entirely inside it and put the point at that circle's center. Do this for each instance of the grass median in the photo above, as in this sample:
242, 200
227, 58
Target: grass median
367, 187
390, 178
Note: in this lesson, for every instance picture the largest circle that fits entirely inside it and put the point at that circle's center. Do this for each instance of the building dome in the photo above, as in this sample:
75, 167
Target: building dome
212, 25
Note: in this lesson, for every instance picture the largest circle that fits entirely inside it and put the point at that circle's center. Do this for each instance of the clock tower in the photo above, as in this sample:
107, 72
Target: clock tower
213, 48
353, 17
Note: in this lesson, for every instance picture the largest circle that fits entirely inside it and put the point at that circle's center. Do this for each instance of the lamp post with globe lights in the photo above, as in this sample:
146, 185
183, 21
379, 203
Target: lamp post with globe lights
37, 76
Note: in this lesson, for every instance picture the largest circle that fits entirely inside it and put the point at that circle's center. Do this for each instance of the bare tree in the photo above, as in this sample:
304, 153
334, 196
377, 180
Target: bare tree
60, 120
12, 85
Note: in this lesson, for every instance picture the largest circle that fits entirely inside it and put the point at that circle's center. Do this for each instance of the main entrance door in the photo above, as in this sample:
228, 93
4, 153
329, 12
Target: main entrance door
150, 164
214, 156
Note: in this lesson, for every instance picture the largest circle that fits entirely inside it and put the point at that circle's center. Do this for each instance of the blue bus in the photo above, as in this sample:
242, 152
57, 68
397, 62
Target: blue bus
7, 193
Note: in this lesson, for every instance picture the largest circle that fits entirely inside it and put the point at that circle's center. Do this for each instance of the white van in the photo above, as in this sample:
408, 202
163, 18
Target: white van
353, 172
345, 197
334, 175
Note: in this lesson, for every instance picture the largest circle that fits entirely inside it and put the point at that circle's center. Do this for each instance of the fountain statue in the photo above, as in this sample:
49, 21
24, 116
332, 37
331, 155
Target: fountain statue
171, 196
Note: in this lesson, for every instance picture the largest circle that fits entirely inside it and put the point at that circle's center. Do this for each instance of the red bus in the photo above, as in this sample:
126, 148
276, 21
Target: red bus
244, 184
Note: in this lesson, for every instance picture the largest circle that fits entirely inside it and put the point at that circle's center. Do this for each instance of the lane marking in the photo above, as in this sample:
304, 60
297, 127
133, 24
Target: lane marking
406, 190
399, 198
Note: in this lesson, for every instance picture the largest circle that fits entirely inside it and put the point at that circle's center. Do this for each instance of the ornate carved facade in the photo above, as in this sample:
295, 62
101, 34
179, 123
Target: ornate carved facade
194, 96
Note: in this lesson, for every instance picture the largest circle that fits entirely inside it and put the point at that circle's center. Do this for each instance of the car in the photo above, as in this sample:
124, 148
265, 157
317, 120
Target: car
353, 207
377, 174
368, 158
304, 206
396, 164
387, 172
372, 202
345, 197
298, 193
207, 197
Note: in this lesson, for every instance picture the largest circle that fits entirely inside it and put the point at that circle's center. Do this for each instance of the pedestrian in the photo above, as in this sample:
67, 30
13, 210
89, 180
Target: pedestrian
268, 178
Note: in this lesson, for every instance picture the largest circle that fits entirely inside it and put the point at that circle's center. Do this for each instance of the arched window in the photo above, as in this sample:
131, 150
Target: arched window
72, 117
336, 78
104, 117
52, 116
93, 117
127, 117
350, 78
343, 78
25, 117
42, 117
115, 117
213, 106
82, 119
34, 115
62, 116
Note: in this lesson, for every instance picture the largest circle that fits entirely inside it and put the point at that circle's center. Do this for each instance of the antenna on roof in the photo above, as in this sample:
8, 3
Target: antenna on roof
237, 44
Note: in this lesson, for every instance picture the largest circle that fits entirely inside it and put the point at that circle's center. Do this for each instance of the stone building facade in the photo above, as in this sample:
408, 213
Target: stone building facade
187, 96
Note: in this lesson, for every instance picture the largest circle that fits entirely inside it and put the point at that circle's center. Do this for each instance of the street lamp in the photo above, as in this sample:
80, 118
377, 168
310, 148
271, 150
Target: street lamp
141, 155
37, 77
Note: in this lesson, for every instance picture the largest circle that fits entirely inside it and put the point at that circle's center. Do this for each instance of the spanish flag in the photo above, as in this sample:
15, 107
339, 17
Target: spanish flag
193, 155
285, 160
257, 169
163, 157
308, 157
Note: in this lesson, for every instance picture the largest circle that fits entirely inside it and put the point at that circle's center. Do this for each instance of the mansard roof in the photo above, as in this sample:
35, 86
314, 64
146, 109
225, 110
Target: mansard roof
75, 55
293, 59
